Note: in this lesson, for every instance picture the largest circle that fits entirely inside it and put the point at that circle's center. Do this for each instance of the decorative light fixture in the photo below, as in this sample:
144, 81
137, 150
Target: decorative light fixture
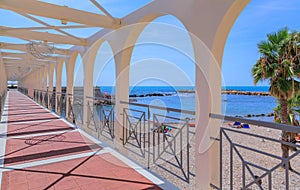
40, 49
64, 21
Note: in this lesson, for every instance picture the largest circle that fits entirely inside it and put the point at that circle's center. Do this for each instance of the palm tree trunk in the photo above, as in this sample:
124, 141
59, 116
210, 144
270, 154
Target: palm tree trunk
285, 135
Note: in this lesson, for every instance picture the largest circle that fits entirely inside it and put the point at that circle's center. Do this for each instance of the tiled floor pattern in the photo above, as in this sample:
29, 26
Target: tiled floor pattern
44, 152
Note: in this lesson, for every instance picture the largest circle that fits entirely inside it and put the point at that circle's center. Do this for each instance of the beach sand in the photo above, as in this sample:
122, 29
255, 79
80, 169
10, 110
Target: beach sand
167, 166
277, 176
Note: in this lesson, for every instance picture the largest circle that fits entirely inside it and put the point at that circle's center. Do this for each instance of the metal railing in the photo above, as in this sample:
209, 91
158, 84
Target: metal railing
76, 103
23, 90
41, 97
61, 103
70, 116
51, 100
245, 164
101, 117
45, 98
158, 136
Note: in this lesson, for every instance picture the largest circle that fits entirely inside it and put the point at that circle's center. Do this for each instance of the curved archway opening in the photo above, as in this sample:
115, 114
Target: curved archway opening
78, 91
54, 79
64, 78
104, 71
52, 98
43, 84
165, 50
47, 84
63, 95
103, 91
162, 75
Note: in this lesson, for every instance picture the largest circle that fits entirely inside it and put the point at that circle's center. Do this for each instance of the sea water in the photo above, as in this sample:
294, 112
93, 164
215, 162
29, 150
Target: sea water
232, 105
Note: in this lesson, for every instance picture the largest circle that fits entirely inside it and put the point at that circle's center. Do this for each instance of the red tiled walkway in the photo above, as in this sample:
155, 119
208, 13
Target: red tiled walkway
44, 152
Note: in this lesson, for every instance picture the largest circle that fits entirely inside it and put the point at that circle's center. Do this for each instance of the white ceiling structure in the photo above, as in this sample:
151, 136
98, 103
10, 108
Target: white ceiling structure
20, 59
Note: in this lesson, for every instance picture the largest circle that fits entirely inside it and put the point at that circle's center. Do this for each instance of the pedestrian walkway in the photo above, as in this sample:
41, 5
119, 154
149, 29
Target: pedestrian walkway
39, 150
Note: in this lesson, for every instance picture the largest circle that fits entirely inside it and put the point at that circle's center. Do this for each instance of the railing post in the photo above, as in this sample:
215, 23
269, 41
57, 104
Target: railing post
0, 107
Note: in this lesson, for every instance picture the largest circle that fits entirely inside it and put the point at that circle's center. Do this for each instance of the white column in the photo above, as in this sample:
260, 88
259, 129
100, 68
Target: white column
122, 65
58, 72
88, 64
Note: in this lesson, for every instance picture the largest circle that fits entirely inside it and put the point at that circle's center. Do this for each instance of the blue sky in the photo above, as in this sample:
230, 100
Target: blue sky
259, 18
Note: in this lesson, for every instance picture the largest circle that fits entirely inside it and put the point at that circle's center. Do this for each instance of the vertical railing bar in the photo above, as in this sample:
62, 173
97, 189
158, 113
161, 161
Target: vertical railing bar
188, 150
113, 121
154, 148
149, 141
140, 131
243, 175
164, 141
181, 147
144, 132
286, 174
127, 128
231, 167
270, 181
221, 158
123, 126
175, 146
158, 143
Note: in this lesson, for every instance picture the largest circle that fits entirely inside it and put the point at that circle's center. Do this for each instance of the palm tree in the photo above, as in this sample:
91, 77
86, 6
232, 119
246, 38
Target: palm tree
279, 64
293, 111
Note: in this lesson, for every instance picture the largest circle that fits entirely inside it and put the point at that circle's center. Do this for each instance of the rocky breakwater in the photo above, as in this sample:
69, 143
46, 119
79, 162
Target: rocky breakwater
234, 92
237, 92
149, 95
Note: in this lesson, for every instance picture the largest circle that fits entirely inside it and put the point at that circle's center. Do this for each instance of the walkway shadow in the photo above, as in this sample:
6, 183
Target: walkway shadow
16, 133
51, 153
71, 173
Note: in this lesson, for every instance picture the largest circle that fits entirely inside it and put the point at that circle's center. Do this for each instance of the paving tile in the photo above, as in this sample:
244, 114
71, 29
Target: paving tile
19, 186
38, 182
65, 184
20, 150
97, 172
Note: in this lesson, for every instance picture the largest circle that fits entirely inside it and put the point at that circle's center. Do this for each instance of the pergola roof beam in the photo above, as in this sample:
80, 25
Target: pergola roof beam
28, 56
9, 54
60, 12
27, 60
102, 9
22, 47
46, 24
17, 61
24, 63
43, 36
48, 27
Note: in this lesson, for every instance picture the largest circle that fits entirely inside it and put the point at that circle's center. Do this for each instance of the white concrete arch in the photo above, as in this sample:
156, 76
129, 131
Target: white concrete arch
209, 22
45, 78
58, 72
70, 71
88, 61
212, 35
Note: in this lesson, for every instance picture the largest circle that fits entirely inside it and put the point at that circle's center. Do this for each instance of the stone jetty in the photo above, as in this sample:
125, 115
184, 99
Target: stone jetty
235, 92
